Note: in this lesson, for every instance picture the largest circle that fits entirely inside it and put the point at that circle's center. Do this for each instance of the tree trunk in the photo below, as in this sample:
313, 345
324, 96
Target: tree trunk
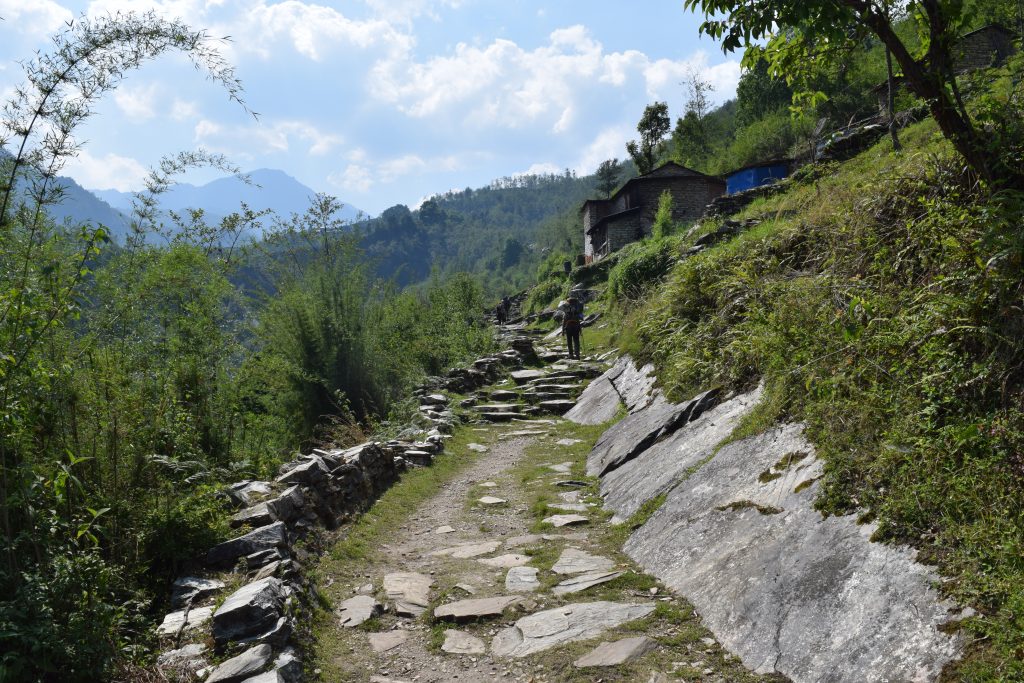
929, 84
891, 103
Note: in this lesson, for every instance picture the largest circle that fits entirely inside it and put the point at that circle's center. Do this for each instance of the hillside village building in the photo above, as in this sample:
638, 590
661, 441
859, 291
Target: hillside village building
628, 215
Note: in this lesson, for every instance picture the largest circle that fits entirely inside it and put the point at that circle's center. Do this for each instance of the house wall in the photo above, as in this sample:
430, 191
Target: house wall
622, 230
592, 213
689, 197
984, 48
755, 177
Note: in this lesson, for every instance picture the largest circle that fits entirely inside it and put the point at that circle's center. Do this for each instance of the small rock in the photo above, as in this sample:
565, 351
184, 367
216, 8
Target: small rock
460, 643
505, 561
582, 582
477, 448
565, 520
576, 561
197, 616
410, 591
389, 640
568, 442
489, 485
477, 608
521, 580
619, 652
358, 610
468, 551
444, 529
491, 501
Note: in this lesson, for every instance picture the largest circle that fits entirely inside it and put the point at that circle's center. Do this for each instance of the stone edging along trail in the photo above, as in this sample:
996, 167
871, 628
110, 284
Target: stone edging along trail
249, 596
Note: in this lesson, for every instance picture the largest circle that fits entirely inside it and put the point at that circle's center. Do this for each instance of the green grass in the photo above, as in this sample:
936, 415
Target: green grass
879, 305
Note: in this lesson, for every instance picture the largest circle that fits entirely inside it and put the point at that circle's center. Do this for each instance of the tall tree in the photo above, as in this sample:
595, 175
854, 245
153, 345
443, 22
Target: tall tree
608, 176
653, 127
815, 31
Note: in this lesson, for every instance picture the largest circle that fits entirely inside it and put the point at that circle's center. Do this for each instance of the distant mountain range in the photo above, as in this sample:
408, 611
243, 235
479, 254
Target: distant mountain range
269, 189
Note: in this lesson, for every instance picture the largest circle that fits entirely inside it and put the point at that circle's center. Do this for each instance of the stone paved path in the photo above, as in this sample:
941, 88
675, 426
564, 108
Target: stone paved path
510, 597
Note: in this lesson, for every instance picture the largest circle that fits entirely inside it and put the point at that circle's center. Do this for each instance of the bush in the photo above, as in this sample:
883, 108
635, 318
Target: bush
640, 266
544, 295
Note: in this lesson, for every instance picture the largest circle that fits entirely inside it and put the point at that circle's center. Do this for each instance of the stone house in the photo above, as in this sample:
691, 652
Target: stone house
628, 215
988, 46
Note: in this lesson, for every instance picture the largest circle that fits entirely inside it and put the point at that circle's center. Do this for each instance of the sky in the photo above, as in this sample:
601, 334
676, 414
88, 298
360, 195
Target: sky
384, 102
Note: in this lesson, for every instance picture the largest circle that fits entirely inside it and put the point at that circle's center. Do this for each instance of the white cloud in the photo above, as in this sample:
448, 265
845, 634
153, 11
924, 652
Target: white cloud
664, 76
278, 136
542, 168
137, 103
361, 174
610, 143
404, 11
501, 84
35, 18
109, 172
182, 110
313, 29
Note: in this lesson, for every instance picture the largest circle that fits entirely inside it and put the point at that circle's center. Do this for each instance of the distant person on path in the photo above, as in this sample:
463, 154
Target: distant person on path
572, 325
567, 266
501, 312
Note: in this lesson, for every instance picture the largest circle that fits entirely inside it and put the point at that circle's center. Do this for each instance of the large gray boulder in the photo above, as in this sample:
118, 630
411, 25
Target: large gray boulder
786, 589
250, 612
265, 538
659, 467
598, 403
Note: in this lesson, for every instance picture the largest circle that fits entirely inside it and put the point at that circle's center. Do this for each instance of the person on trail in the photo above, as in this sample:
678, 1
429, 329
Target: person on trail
572, 325
567, 266
501, 311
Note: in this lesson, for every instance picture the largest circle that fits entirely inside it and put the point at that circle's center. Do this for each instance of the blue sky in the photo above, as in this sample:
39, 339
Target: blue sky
381, 102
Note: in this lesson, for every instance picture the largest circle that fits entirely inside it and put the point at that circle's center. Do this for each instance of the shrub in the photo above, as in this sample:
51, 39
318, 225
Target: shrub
640, 266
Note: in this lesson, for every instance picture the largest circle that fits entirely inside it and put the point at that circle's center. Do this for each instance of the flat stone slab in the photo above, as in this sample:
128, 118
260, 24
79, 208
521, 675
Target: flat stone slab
461, 643
491, 501
489, 485
506, 561
444, 529
520, 541
498, 417
616, 653
557, 406
582, 582
254, 610
524, 376
197, 616
561, 468
551, 628
497, 408
632, 435
468, 550
388, 640
598, 404
409, 590
477, 448
568, 442
358, 610
576, 561
565, 520
521, 580
193, 588
523, 432
474, 608
569, 507
239, 668
656, 469
786, 589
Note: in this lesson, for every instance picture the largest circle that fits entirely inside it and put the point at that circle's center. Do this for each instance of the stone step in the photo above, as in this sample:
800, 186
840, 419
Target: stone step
499, 416
498, 408
557, 406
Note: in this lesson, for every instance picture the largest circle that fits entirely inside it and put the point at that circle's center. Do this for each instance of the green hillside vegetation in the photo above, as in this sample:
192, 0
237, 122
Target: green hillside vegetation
878, 301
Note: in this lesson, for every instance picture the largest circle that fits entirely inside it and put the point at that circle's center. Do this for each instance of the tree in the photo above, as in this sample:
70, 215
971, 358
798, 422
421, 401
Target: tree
818, 31
653, 127
759, 94
691, 137
608, 176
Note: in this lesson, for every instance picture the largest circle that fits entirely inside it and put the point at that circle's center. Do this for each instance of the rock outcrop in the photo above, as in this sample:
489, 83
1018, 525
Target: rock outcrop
786, 589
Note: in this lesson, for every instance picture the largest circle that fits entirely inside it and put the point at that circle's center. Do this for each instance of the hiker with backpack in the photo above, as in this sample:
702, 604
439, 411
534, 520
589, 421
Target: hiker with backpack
572, 325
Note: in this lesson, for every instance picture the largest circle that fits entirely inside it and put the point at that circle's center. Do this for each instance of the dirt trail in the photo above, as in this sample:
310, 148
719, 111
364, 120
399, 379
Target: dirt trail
481, 582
